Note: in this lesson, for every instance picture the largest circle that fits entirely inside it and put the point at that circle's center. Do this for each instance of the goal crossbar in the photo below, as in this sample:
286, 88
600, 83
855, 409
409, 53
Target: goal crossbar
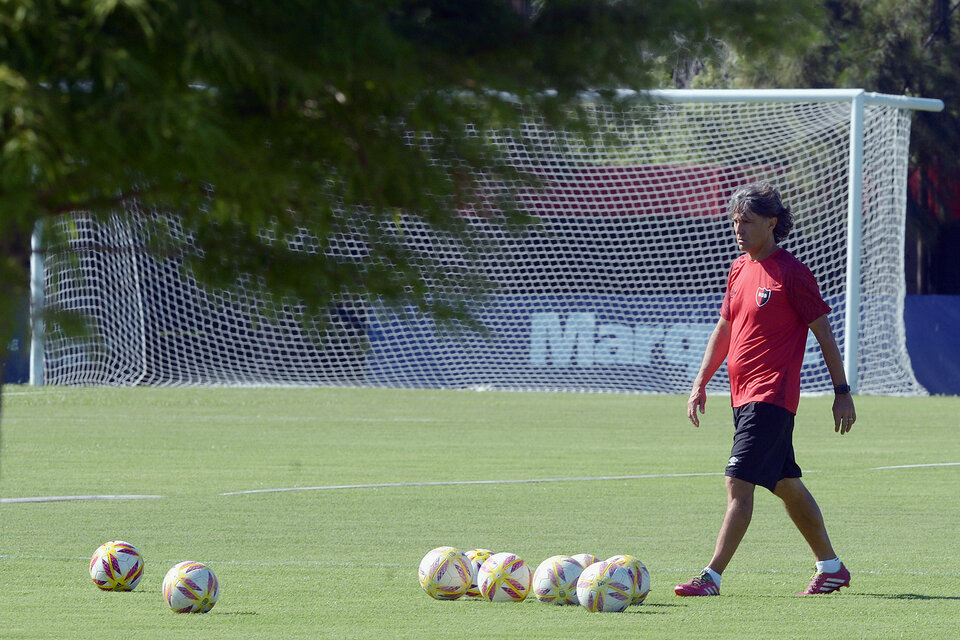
789, 95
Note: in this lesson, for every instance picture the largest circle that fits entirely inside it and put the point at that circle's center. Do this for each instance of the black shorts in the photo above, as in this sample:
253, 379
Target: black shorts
762, 451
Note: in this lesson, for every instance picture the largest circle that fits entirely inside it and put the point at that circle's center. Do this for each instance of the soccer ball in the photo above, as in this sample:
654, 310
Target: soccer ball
585, 559
504, 577
445, 573
116, 566
555, 580
190, 587
605, 586
640, 575
477, 558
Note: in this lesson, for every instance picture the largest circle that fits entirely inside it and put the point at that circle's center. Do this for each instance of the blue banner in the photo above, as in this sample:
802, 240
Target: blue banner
933, 341
559, 342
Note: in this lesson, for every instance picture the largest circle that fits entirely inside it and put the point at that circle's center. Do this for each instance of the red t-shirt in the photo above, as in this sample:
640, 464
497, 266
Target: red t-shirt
769, 305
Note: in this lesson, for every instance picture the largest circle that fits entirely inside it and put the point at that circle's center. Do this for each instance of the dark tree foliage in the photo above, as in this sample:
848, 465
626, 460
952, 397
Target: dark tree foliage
236, 116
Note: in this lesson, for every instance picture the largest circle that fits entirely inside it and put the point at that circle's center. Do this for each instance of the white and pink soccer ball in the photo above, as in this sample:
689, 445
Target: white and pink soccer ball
504, 577
555, 580
190, 587
606, 586
445, 573
638, 571
116, 566
477, 557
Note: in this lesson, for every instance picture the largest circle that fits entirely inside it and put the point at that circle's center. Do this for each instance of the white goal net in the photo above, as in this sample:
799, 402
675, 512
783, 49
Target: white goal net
615, 287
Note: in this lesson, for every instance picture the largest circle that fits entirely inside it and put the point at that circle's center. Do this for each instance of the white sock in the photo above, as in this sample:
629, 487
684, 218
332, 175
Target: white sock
713, 575
828, 566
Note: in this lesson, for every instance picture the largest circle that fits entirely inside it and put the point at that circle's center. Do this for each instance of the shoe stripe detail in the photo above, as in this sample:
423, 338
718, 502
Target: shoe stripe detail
828, 582
828, 585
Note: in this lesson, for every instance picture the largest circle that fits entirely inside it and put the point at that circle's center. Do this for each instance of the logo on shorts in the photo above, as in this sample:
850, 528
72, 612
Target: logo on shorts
763, 296
733, 461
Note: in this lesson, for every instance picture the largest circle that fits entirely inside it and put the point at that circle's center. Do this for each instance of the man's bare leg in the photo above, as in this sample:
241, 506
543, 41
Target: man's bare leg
735, 522
805, 513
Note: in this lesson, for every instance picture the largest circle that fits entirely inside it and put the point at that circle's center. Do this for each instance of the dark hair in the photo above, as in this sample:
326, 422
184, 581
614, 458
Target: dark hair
763, 199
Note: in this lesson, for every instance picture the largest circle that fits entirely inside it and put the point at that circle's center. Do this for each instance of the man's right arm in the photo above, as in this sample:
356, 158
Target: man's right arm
713, 357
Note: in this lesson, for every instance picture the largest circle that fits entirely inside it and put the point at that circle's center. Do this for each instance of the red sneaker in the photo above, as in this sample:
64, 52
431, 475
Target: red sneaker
702, 585
827, 582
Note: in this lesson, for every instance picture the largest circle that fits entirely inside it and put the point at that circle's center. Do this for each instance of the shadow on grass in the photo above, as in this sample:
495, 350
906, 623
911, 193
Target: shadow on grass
649, 609
235, 613
851, 594
907, 596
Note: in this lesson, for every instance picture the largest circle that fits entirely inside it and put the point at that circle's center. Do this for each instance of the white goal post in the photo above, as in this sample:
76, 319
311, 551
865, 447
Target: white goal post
614, 287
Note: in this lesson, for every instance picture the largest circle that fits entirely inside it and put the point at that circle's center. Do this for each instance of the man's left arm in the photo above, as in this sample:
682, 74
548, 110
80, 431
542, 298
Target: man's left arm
844, 413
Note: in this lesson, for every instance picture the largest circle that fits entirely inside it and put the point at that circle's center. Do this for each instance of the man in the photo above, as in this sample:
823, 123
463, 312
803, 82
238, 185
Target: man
771, 300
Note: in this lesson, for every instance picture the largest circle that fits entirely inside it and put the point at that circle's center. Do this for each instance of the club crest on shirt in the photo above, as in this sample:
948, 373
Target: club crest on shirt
763, 296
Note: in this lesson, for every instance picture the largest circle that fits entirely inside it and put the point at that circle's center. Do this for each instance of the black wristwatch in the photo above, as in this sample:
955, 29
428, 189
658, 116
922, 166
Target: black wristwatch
841, 389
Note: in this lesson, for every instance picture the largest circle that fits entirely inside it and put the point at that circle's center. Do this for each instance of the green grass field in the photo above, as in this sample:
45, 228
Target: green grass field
339, 561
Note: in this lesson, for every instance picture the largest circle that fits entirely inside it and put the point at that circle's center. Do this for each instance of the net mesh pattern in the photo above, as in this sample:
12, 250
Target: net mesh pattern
616, 285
